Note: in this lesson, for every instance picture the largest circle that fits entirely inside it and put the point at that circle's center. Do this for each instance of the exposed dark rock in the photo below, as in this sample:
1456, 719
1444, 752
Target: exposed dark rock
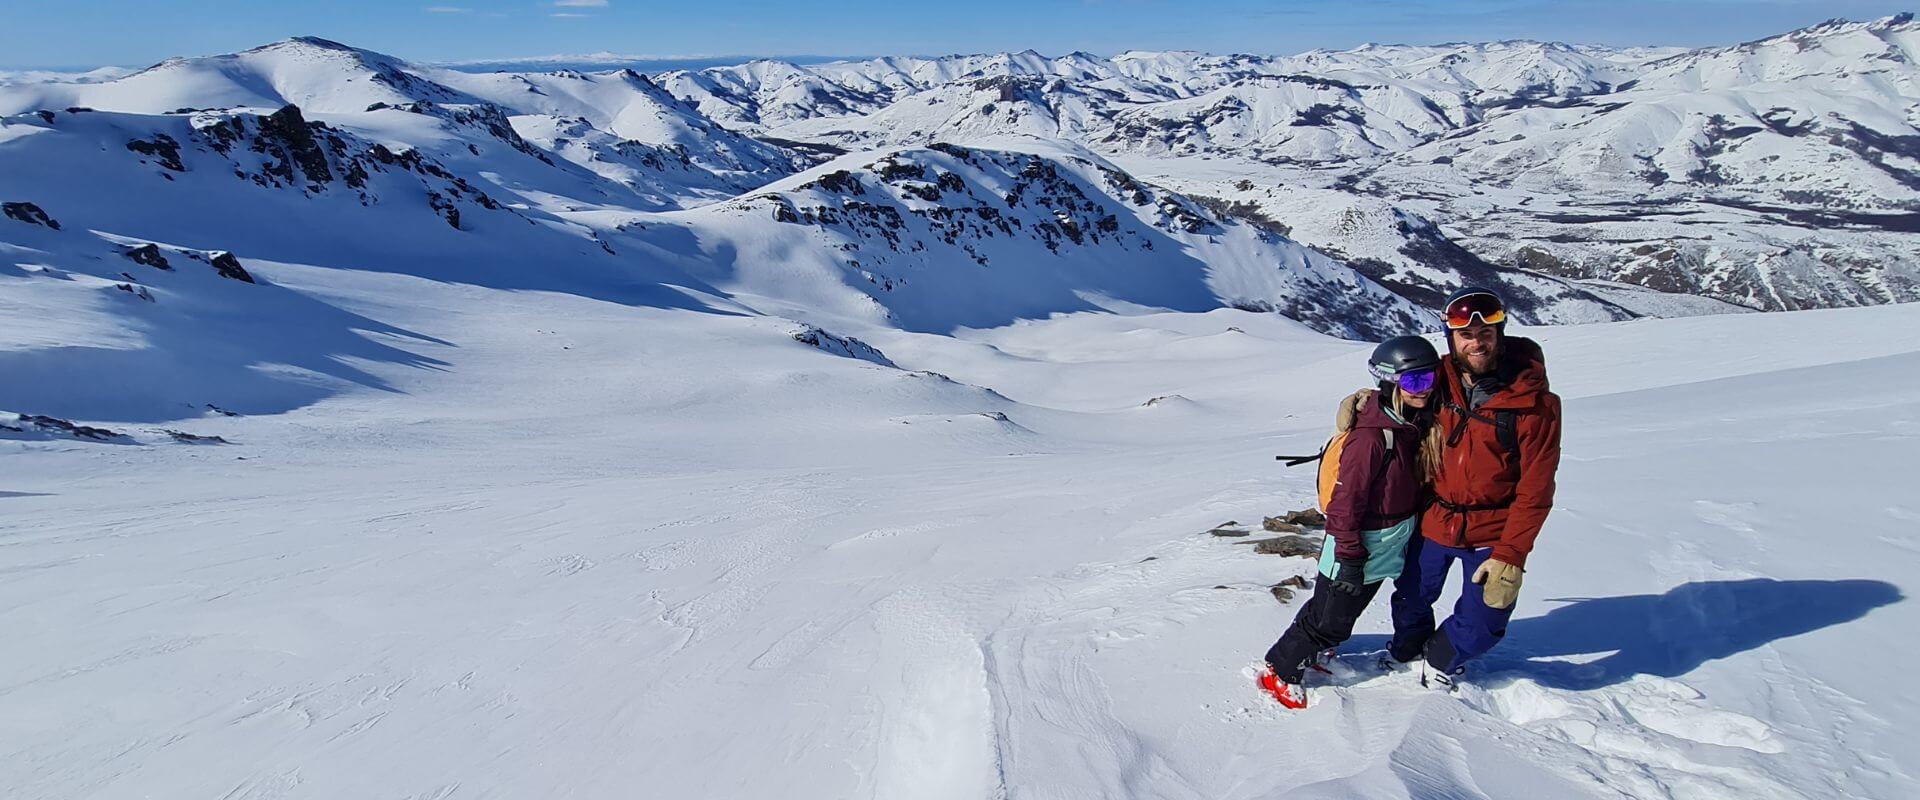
1233, 532
1243, 211
191, 438
1184, 218
838, 182
1277, 525
163, 149
137, 291
1309, 517
1322, 115
289, 128
229, 267
28, 213
1283, 591
895, 171
55, 425
1298, 546
221, 411
445, 208
149, 255
810, 150
843, 346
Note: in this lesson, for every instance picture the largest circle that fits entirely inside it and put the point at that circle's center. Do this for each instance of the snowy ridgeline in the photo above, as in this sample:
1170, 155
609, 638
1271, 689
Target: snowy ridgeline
528, 543
1588, 184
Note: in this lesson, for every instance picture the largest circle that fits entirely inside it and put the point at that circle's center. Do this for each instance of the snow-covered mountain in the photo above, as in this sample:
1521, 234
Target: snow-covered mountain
606, 161
1589, 183
930, 239
646, 148
1773, 174
1776, 174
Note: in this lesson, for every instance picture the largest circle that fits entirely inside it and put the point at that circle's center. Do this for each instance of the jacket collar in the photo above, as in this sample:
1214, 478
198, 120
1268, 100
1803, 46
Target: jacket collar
1524, 368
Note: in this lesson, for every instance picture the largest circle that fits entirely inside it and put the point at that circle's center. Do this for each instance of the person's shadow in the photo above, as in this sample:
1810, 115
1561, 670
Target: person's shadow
1669, 635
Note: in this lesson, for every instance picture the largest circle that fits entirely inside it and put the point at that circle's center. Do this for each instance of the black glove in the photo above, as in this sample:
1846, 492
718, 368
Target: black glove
1350, 576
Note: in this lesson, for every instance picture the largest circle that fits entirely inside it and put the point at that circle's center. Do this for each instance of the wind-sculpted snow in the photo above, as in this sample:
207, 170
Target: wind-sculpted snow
562, 545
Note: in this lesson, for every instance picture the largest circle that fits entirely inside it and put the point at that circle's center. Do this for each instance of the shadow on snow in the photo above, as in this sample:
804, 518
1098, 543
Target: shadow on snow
1666, 635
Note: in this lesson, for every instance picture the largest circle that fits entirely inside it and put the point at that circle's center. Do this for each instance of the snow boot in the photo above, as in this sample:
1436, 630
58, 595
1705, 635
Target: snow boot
1441, 680
1291, 695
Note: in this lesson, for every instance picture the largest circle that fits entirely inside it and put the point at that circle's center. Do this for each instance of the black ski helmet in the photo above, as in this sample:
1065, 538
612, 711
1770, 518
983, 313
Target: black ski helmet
1402, 354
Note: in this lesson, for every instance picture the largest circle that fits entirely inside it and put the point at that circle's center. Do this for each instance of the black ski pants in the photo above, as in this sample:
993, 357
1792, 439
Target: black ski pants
1323, 623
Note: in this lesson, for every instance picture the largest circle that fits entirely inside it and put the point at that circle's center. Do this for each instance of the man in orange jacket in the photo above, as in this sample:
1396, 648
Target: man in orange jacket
1499, 429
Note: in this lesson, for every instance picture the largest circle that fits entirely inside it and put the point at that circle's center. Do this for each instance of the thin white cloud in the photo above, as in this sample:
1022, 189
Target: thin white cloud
572, 16
602, 57
580, 3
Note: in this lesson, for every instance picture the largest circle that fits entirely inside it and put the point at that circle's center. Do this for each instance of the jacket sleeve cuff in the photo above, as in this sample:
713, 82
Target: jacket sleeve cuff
1510, 556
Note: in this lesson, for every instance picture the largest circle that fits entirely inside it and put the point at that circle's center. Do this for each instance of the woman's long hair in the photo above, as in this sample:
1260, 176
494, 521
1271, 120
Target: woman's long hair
1428, 461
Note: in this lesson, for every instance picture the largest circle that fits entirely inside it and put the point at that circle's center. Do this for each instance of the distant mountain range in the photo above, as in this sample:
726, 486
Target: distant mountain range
1345, 189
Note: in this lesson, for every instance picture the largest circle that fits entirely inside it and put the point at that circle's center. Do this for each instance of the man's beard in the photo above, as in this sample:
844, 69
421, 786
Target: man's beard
1481, 365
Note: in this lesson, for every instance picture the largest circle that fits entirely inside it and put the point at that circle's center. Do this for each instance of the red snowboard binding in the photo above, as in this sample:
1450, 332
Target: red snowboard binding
1291, 695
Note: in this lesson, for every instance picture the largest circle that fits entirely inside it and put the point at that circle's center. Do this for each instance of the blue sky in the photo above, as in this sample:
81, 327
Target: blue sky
85, 33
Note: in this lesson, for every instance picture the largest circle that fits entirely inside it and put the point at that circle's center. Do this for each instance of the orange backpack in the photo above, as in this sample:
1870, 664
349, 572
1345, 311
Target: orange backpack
1329, 458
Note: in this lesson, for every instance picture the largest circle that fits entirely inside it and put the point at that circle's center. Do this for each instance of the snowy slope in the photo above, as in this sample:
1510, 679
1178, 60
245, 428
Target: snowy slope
555, 543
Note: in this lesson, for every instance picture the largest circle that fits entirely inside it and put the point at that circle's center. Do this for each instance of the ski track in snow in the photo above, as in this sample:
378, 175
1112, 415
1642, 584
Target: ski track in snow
781, 593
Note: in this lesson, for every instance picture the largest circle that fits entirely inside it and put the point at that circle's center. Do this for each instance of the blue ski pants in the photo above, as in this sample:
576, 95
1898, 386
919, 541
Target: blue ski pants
1473, 629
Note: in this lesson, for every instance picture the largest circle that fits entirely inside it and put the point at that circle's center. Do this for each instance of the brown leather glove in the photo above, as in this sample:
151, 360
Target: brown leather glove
1500, 581
1350, 409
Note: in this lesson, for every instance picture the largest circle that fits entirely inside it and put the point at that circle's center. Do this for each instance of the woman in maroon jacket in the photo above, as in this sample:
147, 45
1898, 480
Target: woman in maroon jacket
1373, 512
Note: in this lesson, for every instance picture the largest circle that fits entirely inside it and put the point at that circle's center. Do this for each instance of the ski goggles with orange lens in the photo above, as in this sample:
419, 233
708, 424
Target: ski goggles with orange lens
1488, 308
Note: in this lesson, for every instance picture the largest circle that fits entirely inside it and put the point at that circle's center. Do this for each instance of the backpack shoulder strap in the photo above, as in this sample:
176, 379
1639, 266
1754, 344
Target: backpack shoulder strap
1506, 426
1506, 429
1294, 461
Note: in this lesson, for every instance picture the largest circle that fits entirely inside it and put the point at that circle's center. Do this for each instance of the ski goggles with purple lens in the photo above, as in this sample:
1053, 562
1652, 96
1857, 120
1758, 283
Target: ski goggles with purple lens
1419, 381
